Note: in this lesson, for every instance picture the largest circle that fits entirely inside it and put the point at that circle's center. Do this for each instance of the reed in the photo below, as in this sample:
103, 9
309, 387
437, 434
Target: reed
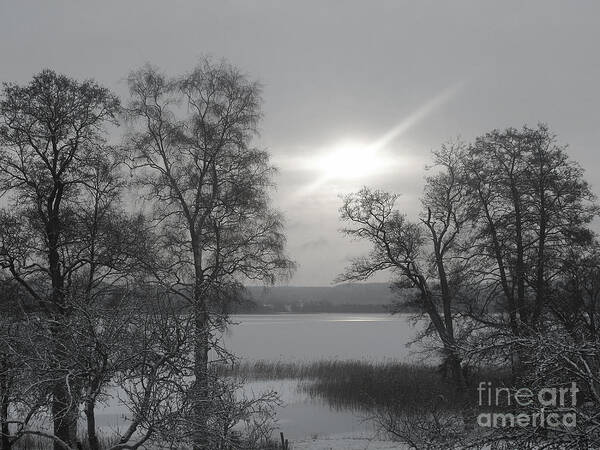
365, 385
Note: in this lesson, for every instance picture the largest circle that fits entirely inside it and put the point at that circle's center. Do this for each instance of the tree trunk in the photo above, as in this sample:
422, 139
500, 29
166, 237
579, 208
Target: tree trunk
64, 398
452, 359
65, 411
93, 441
201, 387
513, 313
540, 298
4, 412
522, 308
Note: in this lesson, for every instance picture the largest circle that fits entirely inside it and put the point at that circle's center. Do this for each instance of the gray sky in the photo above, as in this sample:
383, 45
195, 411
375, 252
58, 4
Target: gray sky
341, 76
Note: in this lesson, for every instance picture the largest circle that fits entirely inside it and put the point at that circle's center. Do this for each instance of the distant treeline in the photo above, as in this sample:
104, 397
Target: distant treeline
343, 298
309, 307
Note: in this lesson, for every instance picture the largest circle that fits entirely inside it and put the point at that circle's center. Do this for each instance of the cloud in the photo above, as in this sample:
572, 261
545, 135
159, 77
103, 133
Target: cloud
315, 244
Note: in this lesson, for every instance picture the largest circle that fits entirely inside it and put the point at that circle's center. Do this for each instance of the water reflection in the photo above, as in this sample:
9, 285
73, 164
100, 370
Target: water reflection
302, 416
317, 337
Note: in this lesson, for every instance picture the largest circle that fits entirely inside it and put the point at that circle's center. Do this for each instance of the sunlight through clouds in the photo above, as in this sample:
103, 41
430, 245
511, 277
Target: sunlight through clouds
357, 159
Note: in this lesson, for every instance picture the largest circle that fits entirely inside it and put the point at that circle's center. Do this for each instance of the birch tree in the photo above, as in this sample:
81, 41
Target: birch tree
192, 151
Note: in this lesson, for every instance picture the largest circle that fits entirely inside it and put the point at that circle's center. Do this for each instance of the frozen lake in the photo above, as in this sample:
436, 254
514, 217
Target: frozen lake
312, 337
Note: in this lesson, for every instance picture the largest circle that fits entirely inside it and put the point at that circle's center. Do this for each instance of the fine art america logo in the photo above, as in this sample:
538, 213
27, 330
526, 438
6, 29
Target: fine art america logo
548, 407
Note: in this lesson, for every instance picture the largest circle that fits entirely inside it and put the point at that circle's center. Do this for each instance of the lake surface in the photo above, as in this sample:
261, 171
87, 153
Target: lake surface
314, 337
309, 337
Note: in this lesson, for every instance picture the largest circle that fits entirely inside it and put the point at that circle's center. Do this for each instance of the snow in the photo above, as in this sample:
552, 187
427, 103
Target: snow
346, 442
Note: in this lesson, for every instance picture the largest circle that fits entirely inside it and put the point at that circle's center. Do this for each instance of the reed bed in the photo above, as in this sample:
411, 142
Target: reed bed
365, 385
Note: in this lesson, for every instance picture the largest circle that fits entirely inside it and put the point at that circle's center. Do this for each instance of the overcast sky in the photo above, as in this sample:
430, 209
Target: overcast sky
340, 76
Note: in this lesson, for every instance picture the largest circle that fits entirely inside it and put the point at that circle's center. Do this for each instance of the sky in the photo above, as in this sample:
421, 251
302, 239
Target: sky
355, 93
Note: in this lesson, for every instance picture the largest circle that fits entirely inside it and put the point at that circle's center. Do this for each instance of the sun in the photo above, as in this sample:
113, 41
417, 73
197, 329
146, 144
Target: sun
346, 160
350, 160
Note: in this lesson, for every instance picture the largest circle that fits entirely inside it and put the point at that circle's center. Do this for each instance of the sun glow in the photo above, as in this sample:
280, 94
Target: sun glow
352, 160
349, 160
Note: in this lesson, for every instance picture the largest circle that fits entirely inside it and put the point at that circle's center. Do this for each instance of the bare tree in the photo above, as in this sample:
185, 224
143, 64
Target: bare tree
403, 247
240, 421
576, 298
192, 152
49, 131
154, 383
66, 241
18, 388
532, 208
